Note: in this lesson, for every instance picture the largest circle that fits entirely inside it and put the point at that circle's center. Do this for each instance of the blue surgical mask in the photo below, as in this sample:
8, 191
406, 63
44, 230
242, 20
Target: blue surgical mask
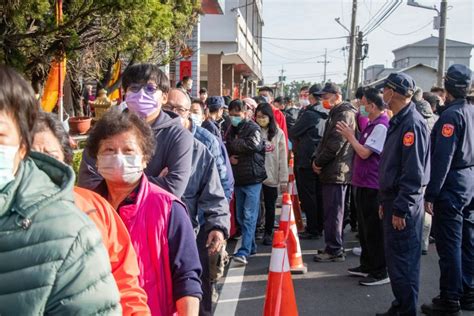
196, 118
363, 111
7, 164
235, 120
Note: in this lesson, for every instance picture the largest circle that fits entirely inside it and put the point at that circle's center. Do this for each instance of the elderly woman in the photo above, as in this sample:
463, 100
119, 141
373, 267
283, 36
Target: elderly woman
157, 221
49, 137
52, 258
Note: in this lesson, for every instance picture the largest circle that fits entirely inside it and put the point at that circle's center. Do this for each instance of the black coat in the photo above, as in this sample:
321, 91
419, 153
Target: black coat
307, 133
245, 141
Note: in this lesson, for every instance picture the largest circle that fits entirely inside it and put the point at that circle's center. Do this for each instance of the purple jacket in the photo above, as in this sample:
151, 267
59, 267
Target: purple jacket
366, 171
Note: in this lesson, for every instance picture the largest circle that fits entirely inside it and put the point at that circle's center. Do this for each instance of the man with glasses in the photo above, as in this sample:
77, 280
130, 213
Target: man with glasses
146, 88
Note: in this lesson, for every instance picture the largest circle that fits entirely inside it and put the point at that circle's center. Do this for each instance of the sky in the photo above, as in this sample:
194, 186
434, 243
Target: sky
315, 19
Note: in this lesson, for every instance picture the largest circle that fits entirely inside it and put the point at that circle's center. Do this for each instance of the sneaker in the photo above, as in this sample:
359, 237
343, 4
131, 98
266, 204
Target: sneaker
357, 251
467, 300
327, 257
267, 240
240, 260
391, 312
358, 272
374, 280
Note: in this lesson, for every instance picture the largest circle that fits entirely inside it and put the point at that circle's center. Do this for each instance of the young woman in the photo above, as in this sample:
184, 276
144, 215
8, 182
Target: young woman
276, 165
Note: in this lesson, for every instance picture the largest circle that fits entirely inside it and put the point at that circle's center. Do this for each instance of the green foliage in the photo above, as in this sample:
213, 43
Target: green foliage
76, 161
92, 32
293, 88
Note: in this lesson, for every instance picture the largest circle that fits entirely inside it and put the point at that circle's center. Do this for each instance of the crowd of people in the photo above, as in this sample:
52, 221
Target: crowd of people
166, 179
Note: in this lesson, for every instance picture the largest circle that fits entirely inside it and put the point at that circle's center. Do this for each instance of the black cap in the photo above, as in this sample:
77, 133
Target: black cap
329, 87
458, 80
401, 83
214, 103
315, 88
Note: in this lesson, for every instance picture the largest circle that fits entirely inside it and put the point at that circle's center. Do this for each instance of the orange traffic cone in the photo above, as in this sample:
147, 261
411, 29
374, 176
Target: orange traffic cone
280, 297
292, 190
287, 224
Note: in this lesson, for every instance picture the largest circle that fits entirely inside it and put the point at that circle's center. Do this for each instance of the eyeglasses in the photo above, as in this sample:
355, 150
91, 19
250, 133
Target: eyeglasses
176, 109
149, 88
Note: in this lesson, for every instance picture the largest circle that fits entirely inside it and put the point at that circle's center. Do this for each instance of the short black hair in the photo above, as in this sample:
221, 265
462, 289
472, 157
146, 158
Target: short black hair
237, 105
287, 99
259, 99
142, 73
265, 88
49, 122
359, 93
17, 99
202, 90
114, 123
278, 100
432, 99
437, 89
304, 88
374, 96
186, 78
203, 106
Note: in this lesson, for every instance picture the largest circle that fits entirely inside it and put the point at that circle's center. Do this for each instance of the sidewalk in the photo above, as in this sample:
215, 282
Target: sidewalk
325, 290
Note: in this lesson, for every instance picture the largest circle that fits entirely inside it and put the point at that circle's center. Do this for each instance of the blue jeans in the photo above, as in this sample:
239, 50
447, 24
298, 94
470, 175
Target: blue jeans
247, 198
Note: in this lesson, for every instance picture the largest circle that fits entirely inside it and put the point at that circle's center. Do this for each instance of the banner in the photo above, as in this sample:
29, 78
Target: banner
185, 69
117, 93
51, 88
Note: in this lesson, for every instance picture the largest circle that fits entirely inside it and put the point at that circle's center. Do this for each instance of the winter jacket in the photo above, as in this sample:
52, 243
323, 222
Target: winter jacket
122, 256
276, 159
334, 153
204, 196
307, 133
212, 144
291, 115
281, 122
147, 220
174, 151
52, 259
246, 143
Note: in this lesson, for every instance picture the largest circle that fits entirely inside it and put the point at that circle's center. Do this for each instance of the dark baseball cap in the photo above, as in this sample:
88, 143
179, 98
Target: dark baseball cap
315, 88
214, 103
330, 87
458, 80
401, 83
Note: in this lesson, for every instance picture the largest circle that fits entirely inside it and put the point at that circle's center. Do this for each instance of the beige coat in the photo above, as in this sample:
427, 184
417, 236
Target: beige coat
276, 159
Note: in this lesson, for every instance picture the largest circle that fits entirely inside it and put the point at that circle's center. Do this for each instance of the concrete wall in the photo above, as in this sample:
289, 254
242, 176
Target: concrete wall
413, 55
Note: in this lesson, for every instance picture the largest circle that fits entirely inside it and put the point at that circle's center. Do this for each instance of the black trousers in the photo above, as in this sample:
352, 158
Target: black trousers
372, 257
309, 192
205, 307
270, 196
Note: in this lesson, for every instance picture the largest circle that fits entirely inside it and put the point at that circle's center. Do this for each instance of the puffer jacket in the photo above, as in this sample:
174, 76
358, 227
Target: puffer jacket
52, 259
307, 133
276, 159
245, 141
334, 153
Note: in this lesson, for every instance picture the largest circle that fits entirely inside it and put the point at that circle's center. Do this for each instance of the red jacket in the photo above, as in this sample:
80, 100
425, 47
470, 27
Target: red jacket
123, 258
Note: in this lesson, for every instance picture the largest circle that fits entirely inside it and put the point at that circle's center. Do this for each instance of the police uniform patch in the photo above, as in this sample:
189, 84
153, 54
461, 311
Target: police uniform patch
409, 139
447, 130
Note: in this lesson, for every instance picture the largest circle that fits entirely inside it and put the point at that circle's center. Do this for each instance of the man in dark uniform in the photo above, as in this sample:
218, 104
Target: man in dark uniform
404, 172
449, 194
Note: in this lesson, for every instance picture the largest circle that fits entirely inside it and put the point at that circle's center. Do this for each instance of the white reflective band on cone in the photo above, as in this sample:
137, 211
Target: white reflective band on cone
279, 260
294, 189
285, 213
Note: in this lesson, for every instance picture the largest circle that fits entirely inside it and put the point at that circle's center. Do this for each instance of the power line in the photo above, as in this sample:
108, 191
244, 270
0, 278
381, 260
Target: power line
301, 39
392, 9
376, 16
412, 32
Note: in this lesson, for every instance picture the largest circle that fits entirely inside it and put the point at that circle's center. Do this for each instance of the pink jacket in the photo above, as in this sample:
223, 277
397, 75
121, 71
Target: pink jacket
147, 222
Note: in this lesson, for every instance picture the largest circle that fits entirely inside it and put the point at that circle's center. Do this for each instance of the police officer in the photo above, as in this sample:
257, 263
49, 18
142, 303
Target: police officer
449, 194
404, 172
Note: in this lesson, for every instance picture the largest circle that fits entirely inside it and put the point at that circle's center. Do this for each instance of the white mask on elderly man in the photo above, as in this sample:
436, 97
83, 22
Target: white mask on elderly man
120, 168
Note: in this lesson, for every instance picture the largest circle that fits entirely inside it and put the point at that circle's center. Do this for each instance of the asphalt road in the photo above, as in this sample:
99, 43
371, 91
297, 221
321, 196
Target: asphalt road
326, 289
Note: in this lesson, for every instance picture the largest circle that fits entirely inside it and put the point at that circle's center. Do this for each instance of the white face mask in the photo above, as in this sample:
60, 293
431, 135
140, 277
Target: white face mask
196, 118
120, 168
304, 102
7, 164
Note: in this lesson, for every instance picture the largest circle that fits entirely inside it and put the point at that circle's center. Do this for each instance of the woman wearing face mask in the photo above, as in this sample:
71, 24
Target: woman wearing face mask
49, 137
365, 187
276, 165
52, 258
157, 221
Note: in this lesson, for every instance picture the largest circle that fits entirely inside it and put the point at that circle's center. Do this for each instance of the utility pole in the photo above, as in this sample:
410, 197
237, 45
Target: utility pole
281, 80
325, 62
358, 59
442, 42
352, 47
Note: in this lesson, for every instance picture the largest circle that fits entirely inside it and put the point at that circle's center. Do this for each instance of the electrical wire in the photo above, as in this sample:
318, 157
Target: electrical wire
377, 15
412, 32
392, 9
302, 39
